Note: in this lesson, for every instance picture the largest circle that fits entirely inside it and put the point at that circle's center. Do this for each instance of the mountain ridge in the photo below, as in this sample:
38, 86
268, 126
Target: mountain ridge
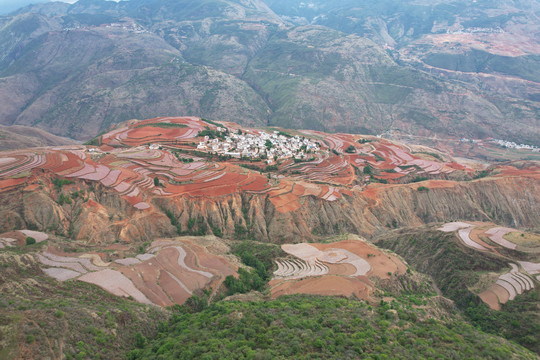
235, 40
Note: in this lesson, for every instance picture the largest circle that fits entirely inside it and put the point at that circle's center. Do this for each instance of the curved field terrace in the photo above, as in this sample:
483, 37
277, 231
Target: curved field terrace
167, 274
341, 268
192, 157
487, 237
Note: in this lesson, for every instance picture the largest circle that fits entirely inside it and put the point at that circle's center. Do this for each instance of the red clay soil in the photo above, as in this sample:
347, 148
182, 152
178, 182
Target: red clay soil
8, 184
341, 269
256, 183
17, 235
176, 292
148, 275
145, 277
533, 171
331, 285
32, 187
72, 164
475, 236
440, 184
502, 293
211, 263
168, 259
490, 299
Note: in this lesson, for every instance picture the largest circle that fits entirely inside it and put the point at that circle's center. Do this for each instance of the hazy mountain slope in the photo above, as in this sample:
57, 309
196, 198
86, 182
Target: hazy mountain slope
392, 22
73, 70
489, 47
19, 137
75, 83
318, 78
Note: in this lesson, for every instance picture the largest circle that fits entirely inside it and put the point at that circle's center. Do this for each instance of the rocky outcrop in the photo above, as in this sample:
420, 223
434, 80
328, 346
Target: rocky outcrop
106, 217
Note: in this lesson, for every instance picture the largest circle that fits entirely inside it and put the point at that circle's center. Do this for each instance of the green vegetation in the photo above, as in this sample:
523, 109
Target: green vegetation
422, 188
163, 125
260, 257
296, 161
30, 240
64, 199
432, 154
283, 133
212, 134
378, 157
405, 167
212, 122
350, 149
364, 141
419, 179
368, 170
481, 61
59, 183
481, 174
315, 327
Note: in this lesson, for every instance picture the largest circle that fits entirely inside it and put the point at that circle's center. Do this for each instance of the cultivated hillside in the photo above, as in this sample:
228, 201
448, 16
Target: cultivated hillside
186, 211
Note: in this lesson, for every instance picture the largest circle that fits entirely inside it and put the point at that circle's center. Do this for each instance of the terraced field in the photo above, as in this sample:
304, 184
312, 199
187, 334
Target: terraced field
125, 163
345, 267
167, 274
487, 237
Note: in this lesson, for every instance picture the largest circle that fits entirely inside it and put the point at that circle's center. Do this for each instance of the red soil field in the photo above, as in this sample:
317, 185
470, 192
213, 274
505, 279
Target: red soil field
331, 285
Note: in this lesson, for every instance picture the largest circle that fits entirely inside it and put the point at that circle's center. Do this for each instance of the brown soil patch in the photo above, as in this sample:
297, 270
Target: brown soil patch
329, 285
177, 293
501, 293
475, 236
17, 235
440, 184
490, 299
340, 269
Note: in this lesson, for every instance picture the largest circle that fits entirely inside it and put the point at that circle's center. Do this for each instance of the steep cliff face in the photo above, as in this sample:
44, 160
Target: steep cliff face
102, 216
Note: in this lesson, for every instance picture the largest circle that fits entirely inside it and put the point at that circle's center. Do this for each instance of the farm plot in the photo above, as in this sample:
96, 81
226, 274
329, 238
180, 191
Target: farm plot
506, 288
158, 130
464, 234
341, 268
167, 274
496, 235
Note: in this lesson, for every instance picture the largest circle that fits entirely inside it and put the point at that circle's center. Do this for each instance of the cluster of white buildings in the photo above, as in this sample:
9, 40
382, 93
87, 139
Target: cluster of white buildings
129, 27
258, 146
513, 145
473, 30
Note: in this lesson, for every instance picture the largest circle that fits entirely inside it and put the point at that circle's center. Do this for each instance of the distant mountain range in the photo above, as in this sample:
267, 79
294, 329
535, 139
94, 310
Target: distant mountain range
445, 68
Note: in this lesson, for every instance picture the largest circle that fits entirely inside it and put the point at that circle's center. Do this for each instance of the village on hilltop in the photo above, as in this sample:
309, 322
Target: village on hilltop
263, 145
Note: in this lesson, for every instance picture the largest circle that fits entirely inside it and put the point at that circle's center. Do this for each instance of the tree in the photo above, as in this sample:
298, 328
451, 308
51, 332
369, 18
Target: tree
30, 240
156, 181
268, 144
367, 170
350, 149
